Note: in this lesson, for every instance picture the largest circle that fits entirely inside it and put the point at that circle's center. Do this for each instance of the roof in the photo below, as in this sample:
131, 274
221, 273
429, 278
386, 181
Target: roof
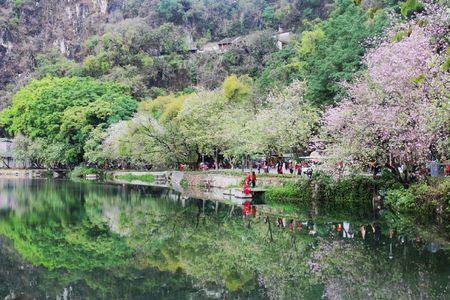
228, 41
283, 36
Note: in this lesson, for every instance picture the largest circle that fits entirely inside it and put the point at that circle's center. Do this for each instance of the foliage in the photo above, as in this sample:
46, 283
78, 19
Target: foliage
63, 111
349, 196
288, 122
82, 170
331, 52
56, 65
236, 89
38, 152
149, 178
410, 6
278, 71
298, 193
425, 200
398, 108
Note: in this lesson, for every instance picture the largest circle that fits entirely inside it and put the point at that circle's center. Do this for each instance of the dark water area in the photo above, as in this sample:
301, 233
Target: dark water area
69, 240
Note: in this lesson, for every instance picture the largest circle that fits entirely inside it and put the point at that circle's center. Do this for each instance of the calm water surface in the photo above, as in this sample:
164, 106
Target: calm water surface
67, 240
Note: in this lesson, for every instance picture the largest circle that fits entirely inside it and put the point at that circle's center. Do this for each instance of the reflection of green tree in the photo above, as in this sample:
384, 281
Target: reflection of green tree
217, 248
50, 228
85, 233
75, 247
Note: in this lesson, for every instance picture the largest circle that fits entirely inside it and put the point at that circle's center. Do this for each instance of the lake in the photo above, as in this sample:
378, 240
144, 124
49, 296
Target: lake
73, 240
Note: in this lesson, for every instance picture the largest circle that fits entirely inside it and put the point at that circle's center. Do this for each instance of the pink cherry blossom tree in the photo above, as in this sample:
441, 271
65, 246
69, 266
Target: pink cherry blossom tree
398, 111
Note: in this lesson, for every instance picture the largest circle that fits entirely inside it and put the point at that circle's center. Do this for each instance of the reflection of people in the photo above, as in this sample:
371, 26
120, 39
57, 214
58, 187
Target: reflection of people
363, 231
391, 233
376, 228
246, 188
347, 232
246, 209
279, 222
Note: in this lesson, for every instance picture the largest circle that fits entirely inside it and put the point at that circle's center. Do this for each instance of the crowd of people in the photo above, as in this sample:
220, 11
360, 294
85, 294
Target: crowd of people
305, 167
277, 166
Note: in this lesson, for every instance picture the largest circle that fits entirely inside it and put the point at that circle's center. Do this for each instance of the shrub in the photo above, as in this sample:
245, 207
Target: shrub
402, 200
352, 195
425, 200
149, 178
298, 193
82, 170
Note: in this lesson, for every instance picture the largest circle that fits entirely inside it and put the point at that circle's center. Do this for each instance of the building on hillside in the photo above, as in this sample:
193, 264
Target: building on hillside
210, 47
227, 42
282, 38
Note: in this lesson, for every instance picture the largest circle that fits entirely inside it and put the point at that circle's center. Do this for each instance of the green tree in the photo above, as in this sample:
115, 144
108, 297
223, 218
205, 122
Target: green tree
65, 110
331, 52
237, 89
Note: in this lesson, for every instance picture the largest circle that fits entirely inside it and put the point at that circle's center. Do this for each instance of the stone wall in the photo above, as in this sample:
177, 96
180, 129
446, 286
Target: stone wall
22, 173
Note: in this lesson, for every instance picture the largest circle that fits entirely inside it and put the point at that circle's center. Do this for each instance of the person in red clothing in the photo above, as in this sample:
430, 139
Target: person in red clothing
247, 177
291, 167
247, 208
246, 188
447, 169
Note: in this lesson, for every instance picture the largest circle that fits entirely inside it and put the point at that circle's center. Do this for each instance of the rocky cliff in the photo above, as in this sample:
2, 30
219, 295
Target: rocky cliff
28, 27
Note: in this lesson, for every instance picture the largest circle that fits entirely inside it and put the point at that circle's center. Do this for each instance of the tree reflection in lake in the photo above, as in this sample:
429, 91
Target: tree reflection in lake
104, 241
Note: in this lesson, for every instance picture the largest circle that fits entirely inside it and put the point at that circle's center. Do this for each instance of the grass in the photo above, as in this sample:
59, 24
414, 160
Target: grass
184, 184
131, 177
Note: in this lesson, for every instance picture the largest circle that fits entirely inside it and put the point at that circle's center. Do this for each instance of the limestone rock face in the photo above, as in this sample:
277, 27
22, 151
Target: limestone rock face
28, 27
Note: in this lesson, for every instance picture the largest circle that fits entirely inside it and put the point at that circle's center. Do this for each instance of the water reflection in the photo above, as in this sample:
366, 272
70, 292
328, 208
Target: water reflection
75, 240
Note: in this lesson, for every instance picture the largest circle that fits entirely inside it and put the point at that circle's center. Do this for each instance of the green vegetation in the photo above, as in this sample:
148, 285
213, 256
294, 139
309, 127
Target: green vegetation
149, 178
82, 170
332, 51
424, 201
352, 196
58, 115
155, 88
298, 193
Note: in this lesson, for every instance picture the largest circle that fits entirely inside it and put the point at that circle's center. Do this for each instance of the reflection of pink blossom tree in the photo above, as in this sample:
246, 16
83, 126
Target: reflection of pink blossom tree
398, 111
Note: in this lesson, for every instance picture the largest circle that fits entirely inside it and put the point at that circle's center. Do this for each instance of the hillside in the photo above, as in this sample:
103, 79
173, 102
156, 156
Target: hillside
144, 83
35, 33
